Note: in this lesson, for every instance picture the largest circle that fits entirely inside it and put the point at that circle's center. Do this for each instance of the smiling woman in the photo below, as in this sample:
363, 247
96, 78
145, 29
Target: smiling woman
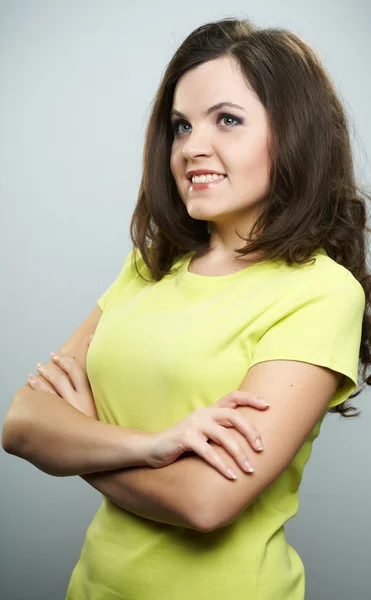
248, 274
252, 281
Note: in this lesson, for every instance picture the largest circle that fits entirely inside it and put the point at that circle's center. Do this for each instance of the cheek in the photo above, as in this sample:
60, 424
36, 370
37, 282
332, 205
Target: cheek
256, 165
175, 163
172, 163
251, 175
262, 165
177, 171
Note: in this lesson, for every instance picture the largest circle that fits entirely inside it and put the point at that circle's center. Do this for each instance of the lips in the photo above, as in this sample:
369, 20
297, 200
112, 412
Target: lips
199, 172
207, 185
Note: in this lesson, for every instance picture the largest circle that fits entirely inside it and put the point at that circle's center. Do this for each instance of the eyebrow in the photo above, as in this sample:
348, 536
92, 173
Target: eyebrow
209, 110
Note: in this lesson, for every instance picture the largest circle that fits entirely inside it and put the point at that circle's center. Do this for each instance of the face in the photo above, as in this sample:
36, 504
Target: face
229, 140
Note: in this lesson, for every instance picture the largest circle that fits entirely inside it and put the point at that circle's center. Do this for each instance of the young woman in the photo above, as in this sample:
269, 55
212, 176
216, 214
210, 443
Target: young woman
247, 279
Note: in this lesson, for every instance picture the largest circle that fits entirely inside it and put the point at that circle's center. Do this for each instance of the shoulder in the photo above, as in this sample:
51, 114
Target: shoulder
322, 277
326, 267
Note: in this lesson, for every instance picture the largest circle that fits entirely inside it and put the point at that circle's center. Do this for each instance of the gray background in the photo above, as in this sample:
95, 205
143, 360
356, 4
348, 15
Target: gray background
77, 80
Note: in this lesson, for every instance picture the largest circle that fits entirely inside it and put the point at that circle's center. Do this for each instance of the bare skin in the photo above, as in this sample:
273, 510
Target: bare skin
206, 265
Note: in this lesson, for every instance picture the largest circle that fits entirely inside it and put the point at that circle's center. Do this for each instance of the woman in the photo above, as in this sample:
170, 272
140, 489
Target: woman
253, 279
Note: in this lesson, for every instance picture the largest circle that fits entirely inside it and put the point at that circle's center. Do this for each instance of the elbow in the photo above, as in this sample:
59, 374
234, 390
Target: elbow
205, 522
14, 441
12, 435
204, 517
208, 522
5, 440
212, 515
12, 444
12, 438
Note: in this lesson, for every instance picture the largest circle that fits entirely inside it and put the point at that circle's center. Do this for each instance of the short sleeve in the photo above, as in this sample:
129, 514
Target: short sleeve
108, 298
323, 326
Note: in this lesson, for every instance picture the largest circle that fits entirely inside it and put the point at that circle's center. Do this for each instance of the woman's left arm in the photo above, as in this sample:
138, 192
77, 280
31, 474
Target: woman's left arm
156, 494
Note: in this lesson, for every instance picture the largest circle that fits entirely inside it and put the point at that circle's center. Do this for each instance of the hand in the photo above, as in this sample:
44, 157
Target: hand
193, 432
66, 378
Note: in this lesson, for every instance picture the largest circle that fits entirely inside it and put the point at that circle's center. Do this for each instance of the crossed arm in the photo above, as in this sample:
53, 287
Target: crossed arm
191, 493
164, 495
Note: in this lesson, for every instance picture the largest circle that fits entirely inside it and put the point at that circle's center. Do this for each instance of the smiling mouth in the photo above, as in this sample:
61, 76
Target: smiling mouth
195, 187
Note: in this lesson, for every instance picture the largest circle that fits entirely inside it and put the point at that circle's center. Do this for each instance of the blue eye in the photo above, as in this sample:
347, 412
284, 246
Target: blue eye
179, 122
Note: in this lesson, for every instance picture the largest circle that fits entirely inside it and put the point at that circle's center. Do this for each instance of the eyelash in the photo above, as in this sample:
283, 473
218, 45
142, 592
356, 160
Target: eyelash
178, 122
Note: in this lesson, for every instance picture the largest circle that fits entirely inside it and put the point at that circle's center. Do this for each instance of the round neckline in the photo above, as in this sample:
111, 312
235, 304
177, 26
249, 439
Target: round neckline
204, 281
212, 279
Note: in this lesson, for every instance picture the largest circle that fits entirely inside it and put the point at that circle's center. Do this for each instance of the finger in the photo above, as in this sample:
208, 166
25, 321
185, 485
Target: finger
40, 385
240, 398
223, 437
59, 380
212, 457
232, 418
247, 399
74, 370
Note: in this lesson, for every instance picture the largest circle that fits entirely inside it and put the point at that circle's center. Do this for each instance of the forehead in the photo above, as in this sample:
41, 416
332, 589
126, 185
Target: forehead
210, 83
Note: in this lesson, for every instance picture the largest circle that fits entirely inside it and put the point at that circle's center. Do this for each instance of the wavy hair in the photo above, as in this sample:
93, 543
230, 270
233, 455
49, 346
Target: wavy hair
313, 199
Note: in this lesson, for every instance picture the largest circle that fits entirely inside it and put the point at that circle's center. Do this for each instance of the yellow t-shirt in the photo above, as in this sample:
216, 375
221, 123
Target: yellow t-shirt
163, 349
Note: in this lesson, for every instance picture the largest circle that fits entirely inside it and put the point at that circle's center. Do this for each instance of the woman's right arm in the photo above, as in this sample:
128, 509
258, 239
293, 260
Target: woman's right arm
60, 440
48, 431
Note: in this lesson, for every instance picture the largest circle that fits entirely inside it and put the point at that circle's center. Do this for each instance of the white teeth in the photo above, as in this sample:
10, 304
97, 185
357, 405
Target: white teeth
206, 178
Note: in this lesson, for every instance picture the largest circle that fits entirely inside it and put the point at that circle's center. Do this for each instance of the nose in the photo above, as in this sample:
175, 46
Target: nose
196, 147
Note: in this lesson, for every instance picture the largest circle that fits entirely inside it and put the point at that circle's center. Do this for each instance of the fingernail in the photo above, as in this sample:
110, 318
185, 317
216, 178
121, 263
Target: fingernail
230, 472
53, 354
259, 444
266, 403
39, 365
31, 377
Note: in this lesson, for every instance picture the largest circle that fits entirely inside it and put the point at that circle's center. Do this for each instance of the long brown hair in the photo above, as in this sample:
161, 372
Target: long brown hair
313, 200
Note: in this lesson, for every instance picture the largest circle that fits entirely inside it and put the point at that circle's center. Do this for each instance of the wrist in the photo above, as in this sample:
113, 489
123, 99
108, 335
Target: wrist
137, 447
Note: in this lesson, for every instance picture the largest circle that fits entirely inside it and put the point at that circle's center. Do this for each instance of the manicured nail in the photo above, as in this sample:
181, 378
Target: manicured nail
259, 444
230, 472
249, 468
264, 402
